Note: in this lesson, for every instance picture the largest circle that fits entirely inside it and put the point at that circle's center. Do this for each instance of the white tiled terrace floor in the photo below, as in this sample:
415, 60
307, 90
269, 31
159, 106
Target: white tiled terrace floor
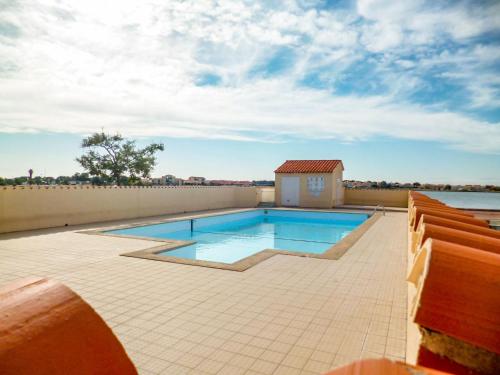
286, 315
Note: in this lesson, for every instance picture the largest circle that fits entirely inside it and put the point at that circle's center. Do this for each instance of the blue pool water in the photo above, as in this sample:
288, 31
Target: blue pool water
230, 237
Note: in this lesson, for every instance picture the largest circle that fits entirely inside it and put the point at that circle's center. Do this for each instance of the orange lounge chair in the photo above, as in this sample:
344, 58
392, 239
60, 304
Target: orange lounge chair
47, 329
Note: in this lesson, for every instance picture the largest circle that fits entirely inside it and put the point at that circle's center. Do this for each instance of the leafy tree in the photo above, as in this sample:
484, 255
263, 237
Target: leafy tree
113, 157
50, 180
37, 180
20, 180
80, 177
63, 180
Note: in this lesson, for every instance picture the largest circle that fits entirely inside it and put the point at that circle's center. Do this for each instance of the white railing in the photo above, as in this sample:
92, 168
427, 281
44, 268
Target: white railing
379, 206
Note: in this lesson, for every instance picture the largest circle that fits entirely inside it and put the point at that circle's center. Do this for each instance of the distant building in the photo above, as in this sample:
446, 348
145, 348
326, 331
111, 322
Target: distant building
229, 183
168, 179
75, 182
193, 180
156, 181
263, 183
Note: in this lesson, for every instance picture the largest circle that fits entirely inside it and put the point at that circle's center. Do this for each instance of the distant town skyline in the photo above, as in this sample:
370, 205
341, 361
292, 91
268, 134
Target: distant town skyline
84, 179
400, 90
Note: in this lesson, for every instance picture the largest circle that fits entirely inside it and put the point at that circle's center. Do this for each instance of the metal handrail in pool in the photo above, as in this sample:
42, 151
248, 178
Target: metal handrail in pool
379, 205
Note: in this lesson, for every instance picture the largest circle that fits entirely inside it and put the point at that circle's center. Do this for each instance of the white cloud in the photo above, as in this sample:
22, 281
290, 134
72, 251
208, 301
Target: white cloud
381, 36
429, 20
267, 108
131, 67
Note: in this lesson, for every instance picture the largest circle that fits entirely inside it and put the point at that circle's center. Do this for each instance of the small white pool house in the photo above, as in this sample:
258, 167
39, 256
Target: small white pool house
309, 183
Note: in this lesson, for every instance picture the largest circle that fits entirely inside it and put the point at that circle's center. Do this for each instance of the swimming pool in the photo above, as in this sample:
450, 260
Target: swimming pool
228, 238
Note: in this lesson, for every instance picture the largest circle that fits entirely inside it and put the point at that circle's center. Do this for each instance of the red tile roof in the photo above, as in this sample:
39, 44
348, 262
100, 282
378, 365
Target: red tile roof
429, 219
461, 237
460, 293
438, 362
417, 212
456, 273
309, 166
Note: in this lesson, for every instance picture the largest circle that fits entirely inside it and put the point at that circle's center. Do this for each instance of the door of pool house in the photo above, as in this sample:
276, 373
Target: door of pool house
290, 191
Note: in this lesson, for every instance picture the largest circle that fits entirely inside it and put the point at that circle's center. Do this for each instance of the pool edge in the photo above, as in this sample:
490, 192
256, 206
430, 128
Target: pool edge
335, 252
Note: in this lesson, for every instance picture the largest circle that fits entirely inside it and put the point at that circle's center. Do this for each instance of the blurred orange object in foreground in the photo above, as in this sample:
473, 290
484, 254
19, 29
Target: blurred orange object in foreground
46, 328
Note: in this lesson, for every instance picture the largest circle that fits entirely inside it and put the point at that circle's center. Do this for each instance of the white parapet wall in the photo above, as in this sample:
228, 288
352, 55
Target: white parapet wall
374, 197
265, 194
36, 207
354, 197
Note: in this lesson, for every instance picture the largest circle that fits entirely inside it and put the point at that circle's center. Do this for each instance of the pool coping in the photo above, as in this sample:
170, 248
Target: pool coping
335, 252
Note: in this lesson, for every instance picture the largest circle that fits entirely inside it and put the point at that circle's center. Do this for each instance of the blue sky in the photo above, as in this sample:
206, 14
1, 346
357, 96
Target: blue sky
406, 91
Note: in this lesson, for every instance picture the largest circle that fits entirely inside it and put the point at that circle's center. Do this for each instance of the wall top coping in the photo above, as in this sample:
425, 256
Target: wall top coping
89, 187
378, 189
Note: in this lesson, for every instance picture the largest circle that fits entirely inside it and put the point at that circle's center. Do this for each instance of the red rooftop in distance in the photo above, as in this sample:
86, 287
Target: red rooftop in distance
309, 166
